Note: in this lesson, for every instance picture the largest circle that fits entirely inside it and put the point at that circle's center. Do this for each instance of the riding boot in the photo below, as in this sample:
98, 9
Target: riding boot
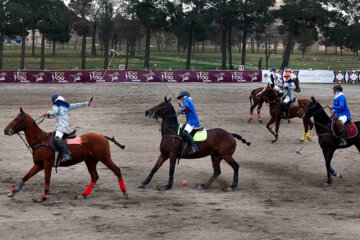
64, 150
190, 140
342, 135
285, 109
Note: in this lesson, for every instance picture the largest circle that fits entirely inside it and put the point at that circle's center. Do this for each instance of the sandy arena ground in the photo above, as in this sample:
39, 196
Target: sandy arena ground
281, 195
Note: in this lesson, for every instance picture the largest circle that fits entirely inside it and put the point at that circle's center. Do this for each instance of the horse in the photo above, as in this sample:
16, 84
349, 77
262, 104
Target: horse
327, 140
258, 101
274, 101
94, 148
219, 143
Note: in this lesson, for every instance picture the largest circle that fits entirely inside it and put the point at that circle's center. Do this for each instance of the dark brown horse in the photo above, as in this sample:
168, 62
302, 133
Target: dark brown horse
327, 140
275, 102
94, 148
220, 144
259, 101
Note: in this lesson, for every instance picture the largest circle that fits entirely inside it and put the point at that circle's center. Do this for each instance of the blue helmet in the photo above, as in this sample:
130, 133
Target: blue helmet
54, 97
337, 88
273, 69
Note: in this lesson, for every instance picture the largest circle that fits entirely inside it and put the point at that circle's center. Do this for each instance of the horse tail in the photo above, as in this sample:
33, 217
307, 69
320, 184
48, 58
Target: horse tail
116, 142
241, 138
250, 97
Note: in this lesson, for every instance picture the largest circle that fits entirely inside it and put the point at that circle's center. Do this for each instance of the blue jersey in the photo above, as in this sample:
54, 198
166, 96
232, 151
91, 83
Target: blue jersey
189, 109
340, 106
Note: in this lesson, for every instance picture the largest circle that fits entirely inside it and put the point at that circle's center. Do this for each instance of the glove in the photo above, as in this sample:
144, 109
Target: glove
47, 115
89, 103
286, 88
281, 93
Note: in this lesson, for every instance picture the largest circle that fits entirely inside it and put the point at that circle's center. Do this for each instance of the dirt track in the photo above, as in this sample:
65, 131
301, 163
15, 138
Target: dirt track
281, 195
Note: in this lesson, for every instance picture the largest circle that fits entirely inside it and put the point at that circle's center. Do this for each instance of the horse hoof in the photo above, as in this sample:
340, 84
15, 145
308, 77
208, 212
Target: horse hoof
80, 197
274, 140
11, 194
126, 197
249, 121
203, 187
40, 199
260, 121
338, 175
141, 185
301, 141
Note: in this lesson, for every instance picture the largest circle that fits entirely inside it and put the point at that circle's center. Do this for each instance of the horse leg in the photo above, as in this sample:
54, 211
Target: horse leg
230, 160
47, 170
258, 111
252, 110
116, 170
328, 154
34, 170
158, 164
171, 172
271, 121
311, 125
91, 166
215, 159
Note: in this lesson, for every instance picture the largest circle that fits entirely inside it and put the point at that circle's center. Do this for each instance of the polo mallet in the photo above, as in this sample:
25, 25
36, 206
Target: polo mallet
162, 80
101, 80
298, 151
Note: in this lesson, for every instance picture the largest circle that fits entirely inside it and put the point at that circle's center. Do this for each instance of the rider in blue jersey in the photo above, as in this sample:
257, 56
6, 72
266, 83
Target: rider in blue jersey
192, 119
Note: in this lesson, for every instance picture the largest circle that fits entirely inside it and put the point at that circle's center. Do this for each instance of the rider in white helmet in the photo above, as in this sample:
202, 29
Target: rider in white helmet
288, 97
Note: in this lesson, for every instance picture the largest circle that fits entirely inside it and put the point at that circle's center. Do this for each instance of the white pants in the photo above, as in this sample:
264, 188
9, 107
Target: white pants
189, 128
59, 134
343, 119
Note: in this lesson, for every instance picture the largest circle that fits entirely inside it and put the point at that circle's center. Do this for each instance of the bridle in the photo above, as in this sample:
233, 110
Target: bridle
314, 113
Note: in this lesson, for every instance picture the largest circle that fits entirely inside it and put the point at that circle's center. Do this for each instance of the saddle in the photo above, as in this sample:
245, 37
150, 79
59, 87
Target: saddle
294, 103
198, 134
351, 129
67, 139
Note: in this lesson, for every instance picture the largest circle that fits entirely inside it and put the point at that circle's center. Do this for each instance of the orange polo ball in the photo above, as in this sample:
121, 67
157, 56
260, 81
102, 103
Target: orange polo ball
184, 183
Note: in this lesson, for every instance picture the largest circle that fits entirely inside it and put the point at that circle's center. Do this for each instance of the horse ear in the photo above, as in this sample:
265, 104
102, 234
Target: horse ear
21, 110
165, 99
313, 99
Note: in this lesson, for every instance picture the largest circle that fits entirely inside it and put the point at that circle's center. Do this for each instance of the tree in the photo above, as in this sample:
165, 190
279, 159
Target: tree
105, 26
82, 9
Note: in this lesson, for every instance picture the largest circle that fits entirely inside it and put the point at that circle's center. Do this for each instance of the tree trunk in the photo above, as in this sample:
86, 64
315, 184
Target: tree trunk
147, 48
1, 49
42, 53
287, 51
223, 49
75, 42
215, 47
243, 51
22, 64
93, 41
33, 43
83, 52
106, 49
252, 46
189, 46
54, 46
326, 48
127, 55
229, 49
203, 46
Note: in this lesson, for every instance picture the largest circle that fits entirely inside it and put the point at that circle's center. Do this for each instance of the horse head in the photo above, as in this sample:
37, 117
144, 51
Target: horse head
162, 110
267, 93
19, 123
308, 109
297, 84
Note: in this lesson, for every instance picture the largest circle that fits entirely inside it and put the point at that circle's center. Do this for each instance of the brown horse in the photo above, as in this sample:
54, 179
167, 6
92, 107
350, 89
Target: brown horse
219, 143
327, 140
274, 101
258, 101
94, 148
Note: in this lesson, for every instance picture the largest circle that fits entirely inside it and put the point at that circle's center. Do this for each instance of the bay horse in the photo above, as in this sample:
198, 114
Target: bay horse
94, 148
275, 103
327, 140
259, 101
219, 143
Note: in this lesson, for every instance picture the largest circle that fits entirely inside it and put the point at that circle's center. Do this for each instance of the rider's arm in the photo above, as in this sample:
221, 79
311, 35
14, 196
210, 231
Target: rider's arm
340, 105
185, 107
54, 111
74, 106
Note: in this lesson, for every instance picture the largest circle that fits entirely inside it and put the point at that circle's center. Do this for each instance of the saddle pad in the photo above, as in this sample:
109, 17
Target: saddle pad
76, 140
351, 130
294, 104
199, 135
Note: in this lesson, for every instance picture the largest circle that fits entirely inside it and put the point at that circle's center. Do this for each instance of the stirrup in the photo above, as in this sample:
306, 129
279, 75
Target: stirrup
66, 158
193, 149
283, 115
342, 142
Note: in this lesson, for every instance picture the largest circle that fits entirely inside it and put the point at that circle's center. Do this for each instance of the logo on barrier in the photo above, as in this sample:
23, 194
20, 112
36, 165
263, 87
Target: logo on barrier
253, 76
21, 76
2, 76
58, 77
354, 77
339, 76
168, 76
219, 77
237, 76
76, 77
39, 77
203, 76
96, 76
131, 75
185, 76
149, 76
114, 76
